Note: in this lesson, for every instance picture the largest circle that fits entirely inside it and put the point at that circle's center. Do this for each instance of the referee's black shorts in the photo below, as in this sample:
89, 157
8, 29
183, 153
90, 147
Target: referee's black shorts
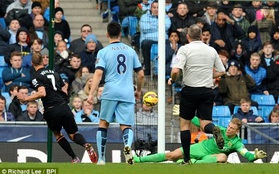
60, 116
198, 99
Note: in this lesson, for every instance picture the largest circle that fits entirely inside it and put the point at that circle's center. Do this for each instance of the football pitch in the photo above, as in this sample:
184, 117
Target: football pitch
146, 168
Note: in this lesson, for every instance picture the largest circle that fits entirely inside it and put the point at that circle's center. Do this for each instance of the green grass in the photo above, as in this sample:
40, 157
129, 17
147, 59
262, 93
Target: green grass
148, 168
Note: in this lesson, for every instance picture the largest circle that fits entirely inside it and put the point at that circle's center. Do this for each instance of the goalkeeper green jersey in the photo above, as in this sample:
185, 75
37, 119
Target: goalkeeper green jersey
209, 147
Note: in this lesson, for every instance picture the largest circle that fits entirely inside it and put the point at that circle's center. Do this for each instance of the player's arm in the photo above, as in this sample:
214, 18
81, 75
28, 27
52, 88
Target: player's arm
96, 81
174, 75
140, 81
39, 94
258, 154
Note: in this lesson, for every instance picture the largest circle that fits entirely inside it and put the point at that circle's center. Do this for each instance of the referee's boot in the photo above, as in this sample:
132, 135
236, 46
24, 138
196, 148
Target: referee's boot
218, 137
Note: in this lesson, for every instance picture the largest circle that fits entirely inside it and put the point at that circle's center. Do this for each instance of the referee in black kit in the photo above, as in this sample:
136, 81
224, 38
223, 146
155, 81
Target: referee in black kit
49, 87
197, 61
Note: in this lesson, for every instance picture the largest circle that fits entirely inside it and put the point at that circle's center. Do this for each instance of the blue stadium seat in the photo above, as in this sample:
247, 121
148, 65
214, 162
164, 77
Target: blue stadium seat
221, 115
154, 59
2, 61
8, 98
221, 111
265, 111
3, 23
254, 108
2, 66
224, 121
266, 100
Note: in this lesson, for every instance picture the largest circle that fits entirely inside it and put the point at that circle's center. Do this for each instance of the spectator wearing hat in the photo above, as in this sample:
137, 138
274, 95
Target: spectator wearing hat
233, 86
45, 54
77, 45
13, 28
89, 53
36, 9
47, 10
39, 30
22, 44
210, 14
60, 24
238, 16
251, 42
275, 39
58, 36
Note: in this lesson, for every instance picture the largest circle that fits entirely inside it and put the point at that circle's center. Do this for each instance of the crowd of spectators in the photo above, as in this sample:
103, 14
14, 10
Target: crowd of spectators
246, 39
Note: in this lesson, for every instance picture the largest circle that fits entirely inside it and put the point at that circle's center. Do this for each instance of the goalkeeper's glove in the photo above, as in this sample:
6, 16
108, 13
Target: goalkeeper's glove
175, 110
259, 154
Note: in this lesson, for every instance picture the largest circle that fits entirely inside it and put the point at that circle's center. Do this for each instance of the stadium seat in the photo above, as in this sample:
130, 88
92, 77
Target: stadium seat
154, 59
220, 111
265, 111
263, 100
7, 97
254, 108
3, 23
2, 61
221, 115
1, 79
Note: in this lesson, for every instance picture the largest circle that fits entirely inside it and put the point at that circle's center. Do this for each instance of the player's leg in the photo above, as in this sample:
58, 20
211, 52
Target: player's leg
124, 115
106, 116
53, 118
65, 145
160, 157
188, 103
205, 115
220, 158
71, 128
101, 138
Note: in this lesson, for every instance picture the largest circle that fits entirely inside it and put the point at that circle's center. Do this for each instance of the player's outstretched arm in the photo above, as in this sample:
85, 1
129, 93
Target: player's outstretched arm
39, 94
259, 154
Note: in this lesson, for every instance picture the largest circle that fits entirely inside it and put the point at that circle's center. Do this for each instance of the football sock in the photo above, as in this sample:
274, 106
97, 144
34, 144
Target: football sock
101, 138
158, 157
79, 139
208, 159
63, 142
185, 137
127, 136
209, 128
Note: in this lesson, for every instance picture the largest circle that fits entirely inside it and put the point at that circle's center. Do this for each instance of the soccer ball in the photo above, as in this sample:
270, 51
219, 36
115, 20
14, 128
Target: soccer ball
150, 99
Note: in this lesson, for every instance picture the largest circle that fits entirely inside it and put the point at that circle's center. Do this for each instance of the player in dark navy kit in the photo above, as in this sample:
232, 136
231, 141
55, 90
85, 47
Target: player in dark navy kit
51, 89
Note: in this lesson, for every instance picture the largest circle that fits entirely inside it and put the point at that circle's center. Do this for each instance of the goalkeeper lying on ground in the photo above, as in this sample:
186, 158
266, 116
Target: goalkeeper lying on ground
207, 150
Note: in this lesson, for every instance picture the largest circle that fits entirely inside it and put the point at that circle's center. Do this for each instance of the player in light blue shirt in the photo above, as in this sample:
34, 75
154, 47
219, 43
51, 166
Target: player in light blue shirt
116, 62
